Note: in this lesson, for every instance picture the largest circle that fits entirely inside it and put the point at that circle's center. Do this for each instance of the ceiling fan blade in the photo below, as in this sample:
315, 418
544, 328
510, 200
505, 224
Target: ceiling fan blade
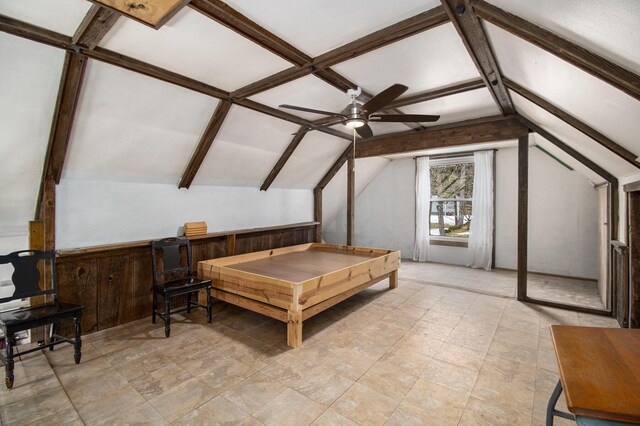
320, 126
364, 131
384, 98
403, 118
315, 111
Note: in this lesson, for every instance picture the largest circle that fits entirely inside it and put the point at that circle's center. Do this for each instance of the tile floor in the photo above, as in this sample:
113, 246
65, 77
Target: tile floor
503, 282
419, 354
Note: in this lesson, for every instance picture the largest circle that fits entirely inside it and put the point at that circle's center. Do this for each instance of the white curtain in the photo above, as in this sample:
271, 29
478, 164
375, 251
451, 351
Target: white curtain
423, 206
481, 230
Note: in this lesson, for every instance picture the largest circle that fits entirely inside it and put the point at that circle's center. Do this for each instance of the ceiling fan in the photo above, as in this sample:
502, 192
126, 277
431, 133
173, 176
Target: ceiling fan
358, 116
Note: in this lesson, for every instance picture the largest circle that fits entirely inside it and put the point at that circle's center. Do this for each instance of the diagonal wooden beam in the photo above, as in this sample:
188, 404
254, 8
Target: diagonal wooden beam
334, 168
438, 93
475, 40
574, 122
206, 141
391, 34
569, 150
95, 25
51, 38
488, 129
576, 55
63, 116
234, 20
376, 40
284, 158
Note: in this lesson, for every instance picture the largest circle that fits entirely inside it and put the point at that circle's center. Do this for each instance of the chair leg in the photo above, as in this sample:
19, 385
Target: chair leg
77, 344
167, 318
8, 368
52, 335
209, 306
189, 303
154, 306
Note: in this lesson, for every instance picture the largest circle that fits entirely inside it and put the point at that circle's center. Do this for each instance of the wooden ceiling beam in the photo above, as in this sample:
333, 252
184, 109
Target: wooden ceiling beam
234, 20
488, 129
438, 93
335, 168
576, 55
620, 151
391, 34
63, 117
95, 25
477, 44
284, 158
572, 152
206, 141
376, 40
51, 38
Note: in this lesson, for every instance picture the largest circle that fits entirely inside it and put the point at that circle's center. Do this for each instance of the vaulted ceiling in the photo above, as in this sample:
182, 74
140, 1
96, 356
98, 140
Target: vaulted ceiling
196, 101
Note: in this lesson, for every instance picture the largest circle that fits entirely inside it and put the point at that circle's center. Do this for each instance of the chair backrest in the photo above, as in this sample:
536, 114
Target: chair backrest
28, 265
173, 251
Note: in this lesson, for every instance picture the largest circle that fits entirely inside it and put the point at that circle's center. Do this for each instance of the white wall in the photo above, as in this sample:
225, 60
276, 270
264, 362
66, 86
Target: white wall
563, 214
93, 212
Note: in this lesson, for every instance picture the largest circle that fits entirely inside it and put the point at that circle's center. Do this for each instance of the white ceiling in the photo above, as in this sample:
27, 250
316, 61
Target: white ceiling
587, 98
572, 137
459, 107
316, 27
134, 128
246, 148
27, 101
62, 16
126, 129
309, 92
315, 154
428, 60
610, 28
193, 45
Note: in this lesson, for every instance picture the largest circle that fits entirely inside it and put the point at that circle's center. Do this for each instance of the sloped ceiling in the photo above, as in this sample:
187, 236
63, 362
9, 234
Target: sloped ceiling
130, 127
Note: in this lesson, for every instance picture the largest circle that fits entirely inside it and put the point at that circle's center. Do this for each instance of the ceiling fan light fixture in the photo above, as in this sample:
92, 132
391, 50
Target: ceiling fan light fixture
354, 123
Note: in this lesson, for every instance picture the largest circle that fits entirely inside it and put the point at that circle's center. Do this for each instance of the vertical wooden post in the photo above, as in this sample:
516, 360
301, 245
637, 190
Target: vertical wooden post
317, 214
49, 213
231, 244
493, 248
351, 195
523, 194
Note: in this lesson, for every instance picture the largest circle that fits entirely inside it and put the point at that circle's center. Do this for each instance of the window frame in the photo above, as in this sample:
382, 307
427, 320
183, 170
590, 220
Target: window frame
443, 240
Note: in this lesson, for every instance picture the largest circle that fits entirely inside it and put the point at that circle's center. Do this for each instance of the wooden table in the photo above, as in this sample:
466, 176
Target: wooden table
292, 284
599, 373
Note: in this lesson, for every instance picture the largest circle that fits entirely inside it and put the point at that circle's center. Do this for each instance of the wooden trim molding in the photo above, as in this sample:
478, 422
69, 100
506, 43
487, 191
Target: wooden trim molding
448, 243
632, 187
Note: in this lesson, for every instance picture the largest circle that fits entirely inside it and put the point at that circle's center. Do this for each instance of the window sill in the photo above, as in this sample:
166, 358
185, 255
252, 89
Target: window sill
448, 242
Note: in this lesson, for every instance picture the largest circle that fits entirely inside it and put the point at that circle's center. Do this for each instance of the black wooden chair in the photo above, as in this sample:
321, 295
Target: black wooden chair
28, 265
175, 279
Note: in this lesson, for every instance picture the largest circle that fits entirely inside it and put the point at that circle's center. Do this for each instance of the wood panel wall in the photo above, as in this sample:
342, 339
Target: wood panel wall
114, 282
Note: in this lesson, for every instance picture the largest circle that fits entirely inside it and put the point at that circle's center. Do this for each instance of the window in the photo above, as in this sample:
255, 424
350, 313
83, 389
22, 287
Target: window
451, 197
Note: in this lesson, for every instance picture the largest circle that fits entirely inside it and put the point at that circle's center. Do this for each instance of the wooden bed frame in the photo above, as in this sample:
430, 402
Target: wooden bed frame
292, 284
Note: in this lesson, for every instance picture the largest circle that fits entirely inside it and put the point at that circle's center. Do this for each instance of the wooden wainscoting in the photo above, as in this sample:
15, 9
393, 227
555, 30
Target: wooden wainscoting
114, 281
